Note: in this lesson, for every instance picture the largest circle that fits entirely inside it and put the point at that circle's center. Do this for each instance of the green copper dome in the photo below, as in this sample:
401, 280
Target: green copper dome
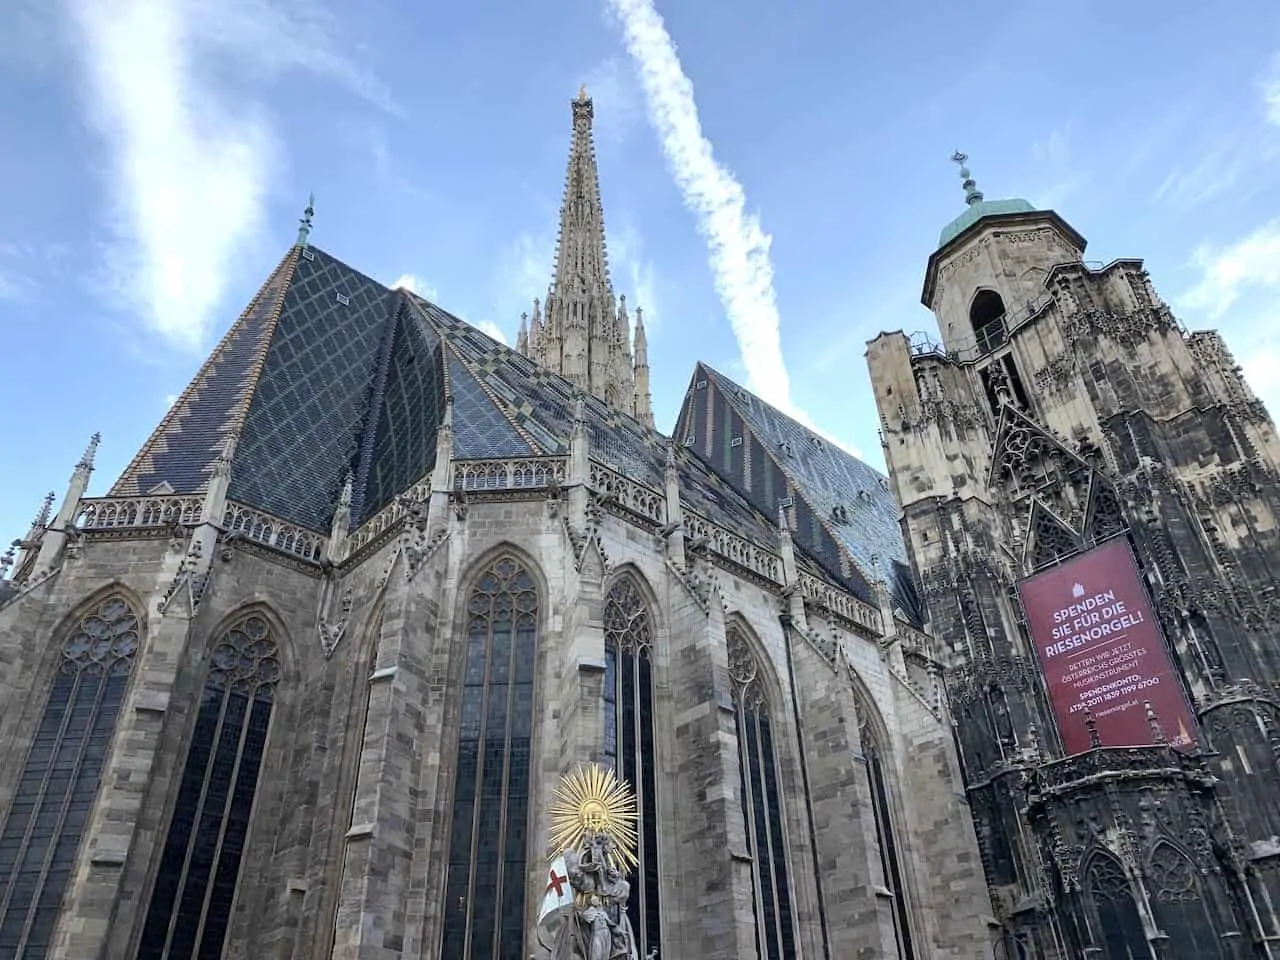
976, 211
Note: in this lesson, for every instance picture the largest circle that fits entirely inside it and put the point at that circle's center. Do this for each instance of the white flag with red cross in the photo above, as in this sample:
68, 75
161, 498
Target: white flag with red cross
558, 893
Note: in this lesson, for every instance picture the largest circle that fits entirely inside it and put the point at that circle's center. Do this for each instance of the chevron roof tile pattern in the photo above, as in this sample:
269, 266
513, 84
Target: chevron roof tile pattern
329, 373
192, 435
842, 510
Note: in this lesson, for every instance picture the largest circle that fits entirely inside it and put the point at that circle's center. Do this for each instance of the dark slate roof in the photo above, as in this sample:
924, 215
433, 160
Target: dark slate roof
537, 408
776, 457
315, 387
193, 432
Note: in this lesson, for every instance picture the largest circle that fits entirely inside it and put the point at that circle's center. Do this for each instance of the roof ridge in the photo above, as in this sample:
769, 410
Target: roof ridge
481, 382
178, 410
798, 485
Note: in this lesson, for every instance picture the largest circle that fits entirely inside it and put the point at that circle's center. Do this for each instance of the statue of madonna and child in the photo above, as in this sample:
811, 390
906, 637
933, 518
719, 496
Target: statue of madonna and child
593, 844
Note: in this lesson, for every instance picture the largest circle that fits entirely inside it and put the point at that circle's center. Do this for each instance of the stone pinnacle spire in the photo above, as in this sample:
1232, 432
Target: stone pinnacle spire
581, 258
580, 332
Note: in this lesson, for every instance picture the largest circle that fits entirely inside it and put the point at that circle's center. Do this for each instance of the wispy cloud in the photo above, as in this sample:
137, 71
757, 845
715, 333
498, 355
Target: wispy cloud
1052, 157
1229, 272
1241, 154
415, 284
523, 273
1243, 278
634, 275
617, 102
191, 155
738, 245
1270, 88
489, 328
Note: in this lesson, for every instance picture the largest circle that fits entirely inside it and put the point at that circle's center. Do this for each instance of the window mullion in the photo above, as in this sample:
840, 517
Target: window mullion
222, 826
90, 721
41, 795
637, 725
748, 815
478, 796
768, 828
195, 820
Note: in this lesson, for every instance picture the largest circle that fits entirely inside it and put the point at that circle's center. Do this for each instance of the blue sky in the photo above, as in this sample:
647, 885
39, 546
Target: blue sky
157, 155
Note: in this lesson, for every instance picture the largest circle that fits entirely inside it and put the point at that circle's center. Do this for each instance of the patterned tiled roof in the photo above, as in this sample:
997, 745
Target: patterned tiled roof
842, 512
328, 373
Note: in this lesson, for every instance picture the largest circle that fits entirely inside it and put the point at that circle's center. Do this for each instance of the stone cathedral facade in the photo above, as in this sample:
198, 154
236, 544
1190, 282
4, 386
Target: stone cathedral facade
1066, 409
300, 684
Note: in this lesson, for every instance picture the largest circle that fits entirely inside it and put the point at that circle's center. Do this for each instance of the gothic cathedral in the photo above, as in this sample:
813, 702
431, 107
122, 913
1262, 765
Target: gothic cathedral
1089, 497
301, 685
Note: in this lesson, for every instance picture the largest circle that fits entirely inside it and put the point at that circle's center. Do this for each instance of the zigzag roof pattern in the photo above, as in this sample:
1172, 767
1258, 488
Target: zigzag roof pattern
837, 499
330, 373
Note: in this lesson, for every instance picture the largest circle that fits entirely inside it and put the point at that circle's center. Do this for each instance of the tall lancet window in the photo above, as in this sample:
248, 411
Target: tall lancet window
629, 740
196, 883
489, 838
762, 805
59, 778
886, 835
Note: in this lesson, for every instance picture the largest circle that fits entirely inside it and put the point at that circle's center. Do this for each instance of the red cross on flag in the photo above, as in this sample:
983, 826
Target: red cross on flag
558, 893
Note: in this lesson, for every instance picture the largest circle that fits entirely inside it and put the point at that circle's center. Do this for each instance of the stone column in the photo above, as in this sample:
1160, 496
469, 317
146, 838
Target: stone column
706, 856
376, 887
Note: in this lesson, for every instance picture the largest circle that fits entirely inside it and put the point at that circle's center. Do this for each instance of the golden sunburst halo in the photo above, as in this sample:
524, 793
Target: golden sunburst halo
591, 799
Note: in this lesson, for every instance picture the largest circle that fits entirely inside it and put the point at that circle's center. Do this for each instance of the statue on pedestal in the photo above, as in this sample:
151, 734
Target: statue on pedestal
593, 819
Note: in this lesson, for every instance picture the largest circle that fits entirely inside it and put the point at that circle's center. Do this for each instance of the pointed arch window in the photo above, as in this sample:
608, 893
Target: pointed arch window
886, 834
1119, 931
195, 885
59, 779
488, 845
629, 741
1179, 905
762, 811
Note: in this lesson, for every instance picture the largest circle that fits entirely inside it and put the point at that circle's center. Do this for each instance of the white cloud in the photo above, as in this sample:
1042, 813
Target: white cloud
491, 329
1244, 277
633, 275
523, 273
616, 101
170, 399
415, 284
1227, 273
191, 152
738, 245
1233, 152
1270, 86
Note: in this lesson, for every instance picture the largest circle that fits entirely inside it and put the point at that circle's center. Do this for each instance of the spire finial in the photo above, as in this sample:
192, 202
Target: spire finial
972, 194
304, 225
344, 497
86, 461
582, 93
46, 511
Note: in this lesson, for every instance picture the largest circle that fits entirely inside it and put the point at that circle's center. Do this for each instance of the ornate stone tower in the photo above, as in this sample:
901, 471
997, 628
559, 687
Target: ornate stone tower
582, 333
1120, 738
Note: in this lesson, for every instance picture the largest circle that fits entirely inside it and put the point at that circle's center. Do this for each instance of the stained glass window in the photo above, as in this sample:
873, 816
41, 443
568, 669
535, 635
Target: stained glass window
59, 779
629, 741
489, 839
196, 882
762, 805
886, 835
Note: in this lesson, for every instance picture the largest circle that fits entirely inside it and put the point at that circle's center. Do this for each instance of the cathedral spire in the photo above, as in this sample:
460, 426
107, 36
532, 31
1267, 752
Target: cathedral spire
972, 194
581, 333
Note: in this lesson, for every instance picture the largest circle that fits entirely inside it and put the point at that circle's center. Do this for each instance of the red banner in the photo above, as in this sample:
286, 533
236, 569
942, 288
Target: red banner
1102, 652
